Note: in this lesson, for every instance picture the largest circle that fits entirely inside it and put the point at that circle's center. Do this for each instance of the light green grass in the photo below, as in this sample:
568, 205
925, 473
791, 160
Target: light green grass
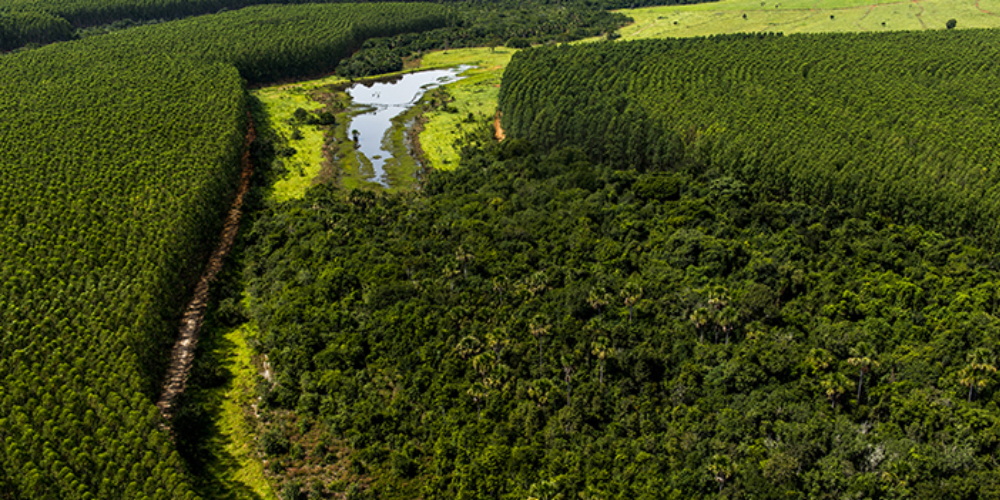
806, 16
236, 436
232, 470
279, 104
477, 93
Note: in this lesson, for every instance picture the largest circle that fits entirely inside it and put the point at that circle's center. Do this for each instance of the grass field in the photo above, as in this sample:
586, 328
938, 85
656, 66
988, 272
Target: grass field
808, 16
279, 103
476, 94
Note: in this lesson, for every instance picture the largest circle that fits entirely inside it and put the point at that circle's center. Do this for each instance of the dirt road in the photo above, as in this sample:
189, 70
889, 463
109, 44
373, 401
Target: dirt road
182, 356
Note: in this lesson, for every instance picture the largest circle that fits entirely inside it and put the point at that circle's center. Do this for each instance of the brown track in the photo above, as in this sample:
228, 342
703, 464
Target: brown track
182, 356
497, 130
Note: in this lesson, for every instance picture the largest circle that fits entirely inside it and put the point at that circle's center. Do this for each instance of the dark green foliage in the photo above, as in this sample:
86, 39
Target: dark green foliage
43, 21
951, 23
273, 442
22, 28
521, 22
519, 43
375, 60
119, 155
658, 187
533, 325
879, 126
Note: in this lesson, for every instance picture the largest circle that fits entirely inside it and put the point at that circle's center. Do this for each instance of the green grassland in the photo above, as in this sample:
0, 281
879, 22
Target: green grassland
807, 16
476, 94
279, 103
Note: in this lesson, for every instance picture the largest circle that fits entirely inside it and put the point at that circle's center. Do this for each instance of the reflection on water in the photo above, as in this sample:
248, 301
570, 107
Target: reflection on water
387, 99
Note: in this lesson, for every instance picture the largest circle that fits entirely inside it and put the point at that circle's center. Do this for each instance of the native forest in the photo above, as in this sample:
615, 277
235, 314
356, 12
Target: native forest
499, 249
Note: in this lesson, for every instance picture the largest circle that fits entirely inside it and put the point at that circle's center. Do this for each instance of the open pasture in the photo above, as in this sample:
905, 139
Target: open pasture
808, 16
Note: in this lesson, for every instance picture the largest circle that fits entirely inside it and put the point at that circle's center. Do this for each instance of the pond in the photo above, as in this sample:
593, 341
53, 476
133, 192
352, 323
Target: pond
380, 102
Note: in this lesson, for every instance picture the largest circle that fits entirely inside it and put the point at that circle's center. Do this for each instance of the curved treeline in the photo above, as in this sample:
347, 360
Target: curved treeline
27, 14
118, 157
533, 325
899, 122
22, 28
24, 22
271, 42
477, 24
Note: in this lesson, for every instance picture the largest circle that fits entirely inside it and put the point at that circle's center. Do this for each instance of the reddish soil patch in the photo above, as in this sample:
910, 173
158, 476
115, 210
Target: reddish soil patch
498, 131
182, 356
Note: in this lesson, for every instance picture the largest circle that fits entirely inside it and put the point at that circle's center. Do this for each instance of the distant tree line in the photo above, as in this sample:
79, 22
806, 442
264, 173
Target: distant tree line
24, 22
517, 23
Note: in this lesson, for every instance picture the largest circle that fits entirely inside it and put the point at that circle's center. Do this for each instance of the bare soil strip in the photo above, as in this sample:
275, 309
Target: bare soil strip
182, 356
498, 132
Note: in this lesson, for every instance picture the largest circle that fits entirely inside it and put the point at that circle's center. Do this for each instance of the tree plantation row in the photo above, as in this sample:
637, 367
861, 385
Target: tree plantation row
43, 21
860, 120
24, 22
119, 156
535, 325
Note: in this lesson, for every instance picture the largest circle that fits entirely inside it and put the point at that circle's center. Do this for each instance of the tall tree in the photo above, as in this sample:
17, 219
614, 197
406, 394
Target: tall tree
862, 356
977, 374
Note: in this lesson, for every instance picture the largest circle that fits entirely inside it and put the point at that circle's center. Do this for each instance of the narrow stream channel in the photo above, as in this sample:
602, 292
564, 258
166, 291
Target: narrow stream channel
386, 100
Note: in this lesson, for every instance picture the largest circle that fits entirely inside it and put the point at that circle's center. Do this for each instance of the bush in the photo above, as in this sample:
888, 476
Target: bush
518, 43
273, 442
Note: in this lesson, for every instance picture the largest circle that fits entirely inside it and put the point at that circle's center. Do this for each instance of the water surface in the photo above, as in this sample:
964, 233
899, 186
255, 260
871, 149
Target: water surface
386, 100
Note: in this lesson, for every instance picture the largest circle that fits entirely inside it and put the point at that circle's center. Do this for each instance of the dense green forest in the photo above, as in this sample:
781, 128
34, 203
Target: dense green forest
861, 120
749, 266
537, 325
518, 23
24, 22
119, 155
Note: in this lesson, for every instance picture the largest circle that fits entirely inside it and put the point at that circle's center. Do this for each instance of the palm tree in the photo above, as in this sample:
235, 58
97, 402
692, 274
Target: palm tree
700, 318
464, 257
468, 346
727, 319
977, 373
718, 299
539, 328
834, 385
862, 356
478, 394
540, 390
568, 371
721, 468
818, 360
600, 349
483, 363
598, 298
631, 294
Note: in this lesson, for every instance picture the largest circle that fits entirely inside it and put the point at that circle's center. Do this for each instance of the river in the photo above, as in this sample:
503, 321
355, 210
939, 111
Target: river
385, 100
